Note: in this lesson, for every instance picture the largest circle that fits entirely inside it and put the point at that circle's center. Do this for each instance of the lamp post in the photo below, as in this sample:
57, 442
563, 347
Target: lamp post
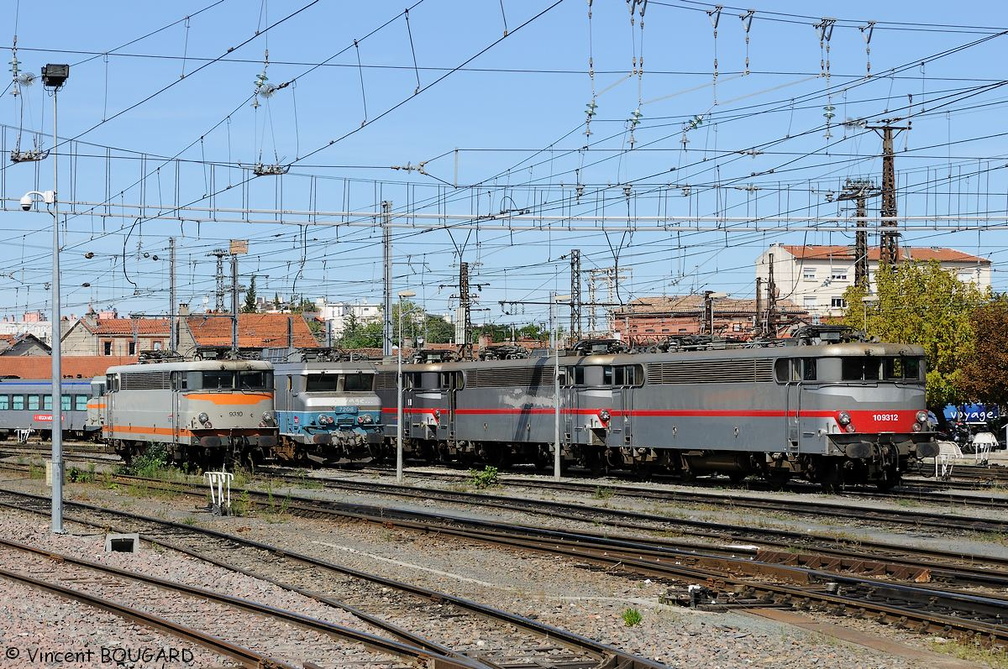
54, 76
399, 391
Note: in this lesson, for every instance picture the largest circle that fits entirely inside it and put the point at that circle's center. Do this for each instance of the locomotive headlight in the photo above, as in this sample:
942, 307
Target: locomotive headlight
922, 417
203, 418
604, 416
365, 419
268, 419
850, 427
917, 427
844, 419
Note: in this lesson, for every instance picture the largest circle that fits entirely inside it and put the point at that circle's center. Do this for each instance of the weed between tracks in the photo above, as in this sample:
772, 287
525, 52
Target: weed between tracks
963, 650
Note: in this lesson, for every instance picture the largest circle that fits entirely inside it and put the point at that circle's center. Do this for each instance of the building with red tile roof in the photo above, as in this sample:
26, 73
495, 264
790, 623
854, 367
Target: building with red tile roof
651, 320
71, 366
202, 332
814, 277
95, 335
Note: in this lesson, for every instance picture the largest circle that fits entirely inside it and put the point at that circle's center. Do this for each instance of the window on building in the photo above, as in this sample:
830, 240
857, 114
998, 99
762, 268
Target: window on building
809, 300
839, 275
808, 273
107, 347
838, 303
132, 348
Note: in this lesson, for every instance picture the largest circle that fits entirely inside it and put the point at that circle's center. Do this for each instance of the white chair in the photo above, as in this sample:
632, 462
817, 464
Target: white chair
948, 454
983, 444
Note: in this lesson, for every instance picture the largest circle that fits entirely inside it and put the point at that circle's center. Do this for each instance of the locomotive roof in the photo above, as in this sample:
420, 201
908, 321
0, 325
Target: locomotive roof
191, 366
845, 349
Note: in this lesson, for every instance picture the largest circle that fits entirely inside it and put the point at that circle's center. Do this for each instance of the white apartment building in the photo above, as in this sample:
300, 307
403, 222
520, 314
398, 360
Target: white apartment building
815, 277
338, 314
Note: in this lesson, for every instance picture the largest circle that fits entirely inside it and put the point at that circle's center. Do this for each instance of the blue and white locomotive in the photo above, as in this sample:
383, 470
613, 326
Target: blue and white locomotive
327, 410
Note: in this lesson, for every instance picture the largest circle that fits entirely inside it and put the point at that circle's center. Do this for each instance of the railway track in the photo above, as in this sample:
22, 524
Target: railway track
895, 588
397, 608
233, 627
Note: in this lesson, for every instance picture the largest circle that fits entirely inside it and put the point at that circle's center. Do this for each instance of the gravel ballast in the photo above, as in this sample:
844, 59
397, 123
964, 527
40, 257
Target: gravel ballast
554, 590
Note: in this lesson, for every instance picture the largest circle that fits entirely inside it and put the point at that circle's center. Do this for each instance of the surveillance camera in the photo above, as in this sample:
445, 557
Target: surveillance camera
26, 203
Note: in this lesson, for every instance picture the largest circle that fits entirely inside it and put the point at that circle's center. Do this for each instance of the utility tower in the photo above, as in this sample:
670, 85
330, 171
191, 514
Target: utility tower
888, 233
610, 277
575, 302
221, 286
860, 190
465, 311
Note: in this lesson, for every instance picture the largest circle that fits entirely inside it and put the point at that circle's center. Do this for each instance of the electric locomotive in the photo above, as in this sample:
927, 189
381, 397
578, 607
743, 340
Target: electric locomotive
825, 405
206, 412
327, 410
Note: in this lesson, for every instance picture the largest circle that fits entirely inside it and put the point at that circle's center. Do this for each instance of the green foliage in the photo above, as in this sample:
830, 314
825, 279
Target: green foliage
601, 492
149, 463
922, 303
483, 479
985, 374
632, 617
250, 298
357, 335
437, 330
77, 475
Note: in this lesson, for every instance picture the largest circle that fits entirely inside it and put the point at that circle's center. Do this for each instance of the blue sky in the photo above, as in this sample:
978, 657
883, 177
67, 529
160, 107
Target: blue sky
471, 119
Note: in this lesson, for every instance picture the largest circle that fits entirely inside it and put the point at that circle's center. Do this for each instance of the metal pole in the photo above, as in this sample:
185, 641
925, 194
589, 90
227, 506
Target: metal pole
399, 407
556, 389
399, 388
57, 390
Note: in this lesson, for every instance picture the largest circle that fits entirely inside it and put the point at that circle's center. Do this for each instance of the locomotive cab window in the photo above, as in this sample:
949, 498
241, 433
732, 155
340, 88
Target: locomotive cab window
255, 379
902, 368
358, 382
621, 375
321, 383
790, 370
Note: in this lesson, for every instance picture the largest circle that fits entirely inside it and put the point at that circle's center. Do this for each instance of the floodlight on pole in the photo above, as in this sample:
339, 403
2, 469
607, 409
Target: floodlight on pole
399, 390
54, 76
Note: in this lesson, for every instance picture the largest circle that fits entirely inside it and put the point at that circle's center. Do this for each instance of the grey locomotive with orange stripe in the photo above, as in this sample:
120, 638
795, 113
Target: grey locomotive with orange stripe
204, 411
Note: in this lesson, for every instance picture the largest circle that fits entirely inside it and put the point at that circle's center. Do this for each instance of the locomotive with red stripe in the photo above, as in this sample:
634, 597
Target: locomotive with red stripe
825, 405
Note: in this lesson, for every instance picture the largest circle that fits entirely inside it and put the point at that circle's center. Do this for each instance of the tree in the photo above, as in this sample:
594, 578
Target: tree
437, 330
922, 303
250, 306
985, 373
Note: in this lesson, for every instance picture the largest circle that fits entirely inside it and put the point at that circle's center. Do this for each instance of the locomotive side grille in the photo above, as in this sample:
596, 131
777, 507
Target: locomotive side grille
145, 381
710, 371
523, 377
386, 381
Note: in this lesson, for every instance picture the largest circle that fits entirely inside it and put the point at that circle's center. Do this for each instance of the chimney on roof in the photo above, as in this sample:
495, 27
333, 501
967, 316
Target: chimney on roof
183, 309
